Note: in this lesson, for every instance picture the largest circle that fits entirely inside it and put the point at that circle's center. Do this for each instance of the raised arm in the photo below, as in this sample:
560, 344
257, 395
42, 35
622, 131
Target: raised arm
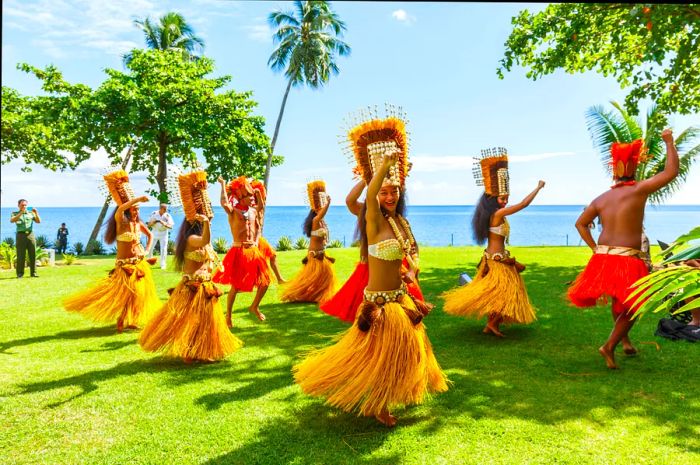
36, 215
374, 213
500, 213
589, 214
225, 204
119, 215
656, 182
322, 212
201, 241
352, 200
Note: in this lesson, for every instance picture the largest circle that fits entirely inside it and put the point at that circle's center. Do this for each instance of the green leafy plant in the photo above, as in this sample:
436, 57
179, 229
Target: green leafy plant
220, 245
355, 244
9, 240
284, 243
95, 247
171, 247
8, 256
69, 259
301, 244
675, 283
43, 242
335, 244
78, 248
41, 257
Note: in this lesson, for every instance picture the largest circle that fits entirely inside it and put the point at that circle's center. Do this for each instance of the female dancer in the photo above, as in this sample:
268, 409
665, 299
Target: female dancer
498, 290
385, 359
316, 280
128, 293
346, 301
191, 324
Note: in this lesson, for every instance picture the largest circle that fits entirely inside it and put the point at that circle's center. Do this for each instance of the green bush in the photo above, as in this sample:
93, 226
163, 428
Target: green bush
42, 257
95, 247
301, 244
43, 242
9, 240
171, 247
336, 244
355, 244
220, 245
8, 256
68, 258
284, 243
78, 248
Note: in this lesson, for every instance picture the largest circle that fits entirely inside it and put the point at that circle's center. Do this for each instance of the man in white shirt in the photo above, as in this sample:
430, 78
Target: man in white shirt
160, 223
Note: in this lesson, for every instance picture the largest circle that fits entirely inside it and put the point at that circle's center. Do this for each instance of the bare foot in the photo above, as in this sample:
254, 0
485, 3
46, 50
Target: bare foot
490, 328
386, 418
120, 326
132, 327
187, 360
609, 357
627, 347
256, 311
229, 323
281, 280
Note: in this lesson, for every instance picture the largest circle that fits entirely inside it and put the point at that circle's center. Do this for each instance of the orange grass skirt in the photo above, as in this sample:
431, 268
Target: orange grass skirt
266, 249
607, 276
191, 325
244, 269
390, 365
314, 283
499, 292
128, 291
347, 300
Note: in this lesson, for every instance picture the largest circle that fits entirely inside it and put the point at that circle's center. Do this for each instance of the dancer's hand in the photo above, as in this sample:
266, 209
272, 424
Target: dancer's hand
667, 136
221, 180
143, 198
540, 184
201, 218
391, 155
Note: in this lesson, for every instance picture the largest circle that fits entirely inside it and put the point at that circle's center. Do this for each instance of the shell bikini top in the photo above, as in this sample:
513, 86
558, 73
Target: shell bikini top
502, 229
389, 249
204, 254
129, 236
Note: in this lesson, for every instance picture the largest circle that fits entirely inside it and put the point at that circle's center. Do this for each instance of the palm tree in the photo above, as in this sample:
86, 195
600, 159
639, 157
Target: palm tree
170, 33
309, 42
606, 127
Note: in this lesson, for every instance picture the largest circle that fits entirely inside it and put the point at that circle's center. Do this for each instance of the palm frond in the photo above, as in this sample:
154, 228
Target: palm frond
604, 128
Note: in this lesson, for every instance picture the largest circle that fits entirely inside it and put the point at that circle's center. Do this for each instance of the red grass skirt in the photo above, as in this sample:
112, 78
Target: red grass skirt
607, 276
345, 302
244, 269
266, 249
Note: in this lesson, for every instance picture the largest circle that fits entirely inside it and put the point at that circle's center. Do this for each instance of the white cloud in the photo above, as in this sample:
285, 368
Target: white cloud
259, 32
402, 16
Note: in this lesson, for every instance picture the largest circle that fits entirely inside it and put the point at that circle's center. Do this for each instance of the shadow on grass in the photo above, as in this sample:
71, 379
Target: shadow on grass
64, 335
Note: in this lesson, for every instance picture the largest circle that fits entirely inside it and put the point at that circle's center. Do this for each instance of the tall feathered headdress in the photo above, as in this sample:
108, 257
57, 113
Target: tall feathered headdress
368, 138
194, 195
316, 195
117, 183
625, 157
492, 171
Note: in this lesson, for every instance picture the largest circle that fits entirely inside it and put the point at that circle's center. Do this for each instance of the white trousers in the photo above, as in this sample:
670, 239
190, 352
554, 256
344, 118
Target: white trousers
161, 237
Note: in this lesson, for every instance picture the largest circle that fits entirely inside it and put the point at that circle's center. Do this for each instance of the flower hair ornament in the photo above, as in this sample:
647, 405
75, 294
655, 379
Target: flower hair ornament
316, 197
625, 157
369, 136
492, 171
117, 186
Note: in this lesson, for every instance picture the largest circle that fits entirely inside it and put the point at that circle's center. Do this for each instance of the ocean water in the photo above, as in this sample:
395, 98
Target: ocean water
432, 225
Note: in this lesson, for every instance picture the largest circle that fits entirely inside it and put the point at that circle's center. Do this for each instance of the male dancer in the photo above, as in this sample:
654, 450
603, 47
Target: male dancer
245, 266
616, 265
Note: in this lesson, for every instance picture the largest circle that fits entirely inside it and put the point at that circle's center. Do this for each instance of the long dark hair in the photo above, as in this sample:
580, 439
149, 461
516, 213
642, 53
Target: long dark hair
361, 228
481, 221
186, 230
111, 226
307, 226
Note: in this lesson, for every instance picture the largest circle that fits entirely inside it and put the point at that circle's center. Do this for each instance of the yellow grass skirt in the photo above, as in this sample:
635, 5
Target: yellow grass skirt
500, 291
314, 283
191, 324
127, 292
390, 365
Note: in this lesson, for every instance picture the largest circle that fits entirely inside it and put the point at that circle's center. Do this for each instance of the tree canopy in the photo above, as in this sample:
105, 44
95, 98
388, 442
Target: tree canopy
652, 48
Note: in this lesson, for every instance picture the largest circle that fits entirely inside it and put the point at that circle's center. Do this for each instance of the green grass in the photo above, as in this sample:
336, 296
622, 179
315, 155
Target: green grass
76, 392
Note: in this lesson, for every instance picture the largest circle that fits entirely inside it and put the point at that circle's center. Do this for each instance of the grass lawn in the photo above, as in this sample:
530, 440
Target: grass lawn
72, 391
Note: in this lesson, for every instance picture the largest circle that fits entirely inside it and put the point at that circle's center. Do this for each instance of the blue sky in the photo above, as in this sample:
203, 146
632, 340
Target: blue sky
437, 60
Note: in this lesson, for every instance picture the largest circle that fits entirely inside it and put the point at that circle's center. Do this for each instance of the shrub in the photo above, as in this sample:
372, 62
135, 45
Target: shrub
8, 256
9, 240
301, 244
355, 244
68, 258
42, 258
336, 244
220, 245
43, 242
171, 247
95, 247
113, 251
78, 248
284, 243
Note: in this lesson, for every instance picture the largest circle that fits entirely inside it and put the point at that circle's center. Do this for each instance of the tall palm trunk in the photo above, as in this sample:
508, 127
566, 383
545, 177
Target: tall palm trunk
105, 207
162, 168
274, 136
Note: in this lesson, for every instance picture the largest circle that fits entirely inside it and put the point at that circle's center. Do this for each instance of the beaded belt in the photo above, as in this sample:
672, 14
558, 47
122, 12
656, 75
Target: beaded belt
128, 261
245, 245
382, 297
617, 250
200, 277
498, 256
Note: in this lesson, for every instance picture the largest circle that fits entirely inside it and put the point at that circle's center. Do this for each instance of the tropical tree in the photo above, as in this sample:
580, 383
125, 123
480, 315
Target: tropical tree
652, 48
617, 125
170, 33
308, 41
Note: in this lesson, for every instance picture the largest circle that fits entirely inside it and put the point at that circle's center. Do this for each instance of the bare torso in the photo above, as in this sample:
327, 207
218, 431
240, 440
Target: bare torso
129, 249
621, 211
243, 231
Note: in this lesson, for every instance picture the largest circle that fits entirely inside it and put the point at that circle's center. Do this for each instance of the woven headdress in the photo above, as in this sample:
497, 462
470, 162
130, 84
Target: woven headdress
194, 195
238, 187
625, 158
492, 171
259, 186
316, 193
369, 137
118, 185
